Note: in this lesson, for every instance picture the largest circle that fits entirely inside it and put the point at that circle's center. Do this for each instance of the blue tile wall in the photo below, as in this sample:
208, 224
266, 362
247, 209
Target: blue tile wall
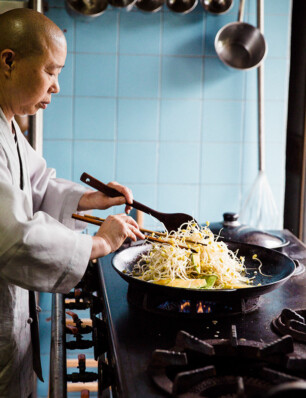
60, 109
138, 76
180, 120
145, 101
100, 72
136, 162
58, 154
131, 128
98, 122
135, 25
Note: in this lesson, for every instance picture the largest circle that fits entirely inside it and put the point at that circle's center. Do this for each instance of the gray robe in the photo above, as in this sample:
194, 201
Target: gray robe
39, 250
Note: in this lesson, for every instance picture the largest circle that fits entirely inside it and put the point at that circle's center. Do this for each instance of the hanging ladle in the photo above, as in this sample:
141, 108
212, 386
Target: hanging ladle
172, 221
239, 44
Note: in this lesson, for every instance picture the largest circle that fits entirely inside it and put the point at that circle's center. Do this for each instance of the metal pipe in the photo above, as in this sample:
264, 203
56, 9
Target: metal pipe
36, 121
36, 5
36, 132
260, 88
58, 368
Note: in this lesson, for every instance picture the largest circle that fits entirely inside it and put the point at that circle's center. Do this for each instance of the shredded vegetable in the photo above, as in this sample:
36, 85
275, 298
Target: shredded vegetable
205, 264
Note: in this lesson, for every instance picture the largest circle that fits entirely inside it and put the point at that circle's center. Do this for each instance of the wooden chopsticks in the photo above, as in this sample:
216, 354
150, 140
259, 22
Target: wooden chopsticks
98, 221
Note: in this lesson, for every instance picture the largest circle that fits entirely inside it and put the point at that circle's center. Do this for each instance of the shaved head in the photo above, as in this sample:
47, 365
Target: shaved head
28, 32
33, 51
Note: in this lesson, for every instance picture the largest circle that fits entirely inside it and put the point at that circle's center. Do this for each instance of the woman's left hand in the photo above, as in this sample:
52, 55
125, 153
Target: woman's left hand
98, 200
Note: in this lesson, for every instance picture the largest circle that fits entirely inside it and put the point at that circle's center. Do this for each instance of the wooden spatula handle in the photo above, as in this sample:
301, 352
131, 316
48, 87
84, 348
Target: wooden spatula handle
99, 186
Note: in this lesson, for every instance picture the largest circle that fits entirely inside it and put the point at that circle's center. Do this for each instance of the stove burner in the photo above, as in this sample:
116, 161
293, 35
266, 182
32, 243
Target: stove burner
291, 322
189, 308
225, 368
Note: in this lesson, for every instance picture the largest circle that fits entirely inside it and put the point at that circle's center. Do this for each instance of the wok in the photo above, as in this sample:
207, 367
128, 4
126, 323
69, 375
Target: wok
277, 265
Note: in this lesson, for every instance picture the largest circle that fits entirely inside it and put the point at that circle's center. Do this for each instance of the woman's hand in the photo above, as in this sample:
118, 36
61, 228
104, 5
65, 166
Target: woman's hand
97, 200
112, 233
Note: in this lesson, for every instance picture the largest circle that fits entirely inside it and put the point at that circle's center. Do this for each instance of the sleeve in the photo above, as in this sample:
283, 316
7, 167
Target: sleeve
55, 196
37, 252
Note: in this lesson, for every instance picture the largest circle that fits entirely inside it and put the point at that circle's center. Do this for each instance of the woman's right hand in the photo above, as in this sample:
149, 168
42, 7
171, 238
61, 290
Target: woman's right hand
112, 233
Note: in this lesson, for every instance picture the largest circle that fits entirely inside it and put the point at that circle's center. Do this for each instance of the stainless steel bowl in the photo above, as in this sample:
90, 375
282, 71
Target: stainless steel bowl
86, 9
122, 3
181, 6
217, 6
149, 5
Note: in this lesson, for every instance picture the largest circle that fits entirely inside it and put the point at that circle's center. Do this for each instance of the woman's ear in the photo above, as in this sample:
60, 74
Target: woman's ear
7, 58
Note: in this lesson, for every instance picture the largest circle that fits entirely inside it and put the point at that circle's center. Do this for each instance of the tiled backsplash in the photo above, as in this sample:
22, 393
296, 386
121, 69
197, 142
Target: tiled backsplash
145, 101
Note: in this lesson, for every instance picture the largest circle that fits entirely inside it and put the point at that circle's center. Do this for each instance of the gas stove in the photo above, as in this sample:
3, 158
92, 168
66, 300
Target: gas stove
150, 347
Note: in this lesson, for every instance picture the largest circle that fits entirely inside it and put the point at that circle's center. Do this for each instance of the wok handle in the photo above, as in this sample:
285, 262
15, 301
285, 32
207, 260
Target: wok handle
113, 193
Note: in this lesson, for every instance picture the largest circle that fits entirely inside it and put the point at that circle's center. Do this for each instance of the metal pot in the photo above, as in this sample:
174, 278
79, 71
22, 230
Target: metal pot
231, 229
217, 6
239, 44
86, 9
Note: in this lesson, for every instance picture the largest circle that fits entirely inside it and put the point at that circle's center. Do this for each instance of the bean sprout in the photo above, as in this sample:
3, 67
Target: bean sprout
206, 263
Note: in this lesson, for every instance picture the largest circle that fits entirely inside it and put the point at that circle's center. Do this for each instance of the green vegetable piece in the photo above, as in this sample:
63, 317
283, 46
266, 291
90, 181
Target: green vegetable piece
195, 260
210, 281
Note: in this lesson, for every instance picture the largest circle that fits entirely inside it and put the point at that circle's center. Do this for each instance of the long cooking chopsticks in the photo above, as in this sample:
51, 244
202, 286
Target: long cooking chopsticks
98, 221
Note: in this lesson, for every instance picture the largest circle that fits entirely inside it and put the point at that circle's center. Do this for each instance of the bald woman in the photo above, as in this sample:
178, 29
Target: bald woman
40, 248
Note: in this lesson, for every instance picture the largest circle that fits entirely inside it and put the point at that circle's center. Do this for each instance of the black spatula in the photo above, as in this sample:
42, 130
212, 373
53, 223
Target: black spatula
172, 221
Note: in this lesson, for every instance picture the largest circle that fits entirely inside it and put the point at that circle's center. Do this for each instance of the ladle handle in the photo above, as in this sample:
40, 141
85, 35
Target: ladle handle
260, 15
241, 10
260, 83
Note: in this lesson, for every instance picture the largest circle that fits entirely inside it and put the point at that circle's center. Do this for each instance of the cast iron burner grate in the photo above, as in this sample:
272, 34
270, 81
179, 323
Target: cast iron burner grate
228, 368
291, 322
189, 308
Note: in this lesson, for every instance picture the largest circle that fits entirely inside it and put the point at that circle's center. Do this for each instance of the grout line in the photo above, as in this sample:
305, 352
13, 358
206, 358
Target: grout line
276, 100
242, 139
117, 98
73, 101
161, 34
201, 149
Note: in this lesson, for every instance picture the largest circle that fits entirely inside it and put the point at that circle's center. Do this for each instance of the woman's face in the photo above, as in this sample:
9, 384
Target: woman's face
35, 79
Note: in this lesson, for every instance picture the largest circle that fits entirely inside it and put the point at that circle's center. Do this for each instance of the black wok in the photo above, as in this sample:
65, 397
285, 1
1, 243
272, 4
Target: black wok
277, 265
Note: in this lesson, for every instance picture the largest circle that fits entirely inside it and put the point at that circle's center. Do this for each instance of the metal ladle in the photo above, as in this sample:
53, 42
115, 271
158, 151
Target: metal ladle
181, 6
239, 44
217, 6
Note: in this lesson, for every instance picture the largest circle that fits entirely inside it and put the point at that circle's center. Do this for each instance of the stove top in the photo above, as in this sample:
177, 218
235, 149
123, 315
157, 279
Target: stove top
134, 334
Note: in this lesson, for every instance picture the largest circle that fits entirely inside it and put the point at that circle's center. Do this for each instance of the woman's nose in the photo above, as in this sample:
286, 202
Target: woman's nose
55, 87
